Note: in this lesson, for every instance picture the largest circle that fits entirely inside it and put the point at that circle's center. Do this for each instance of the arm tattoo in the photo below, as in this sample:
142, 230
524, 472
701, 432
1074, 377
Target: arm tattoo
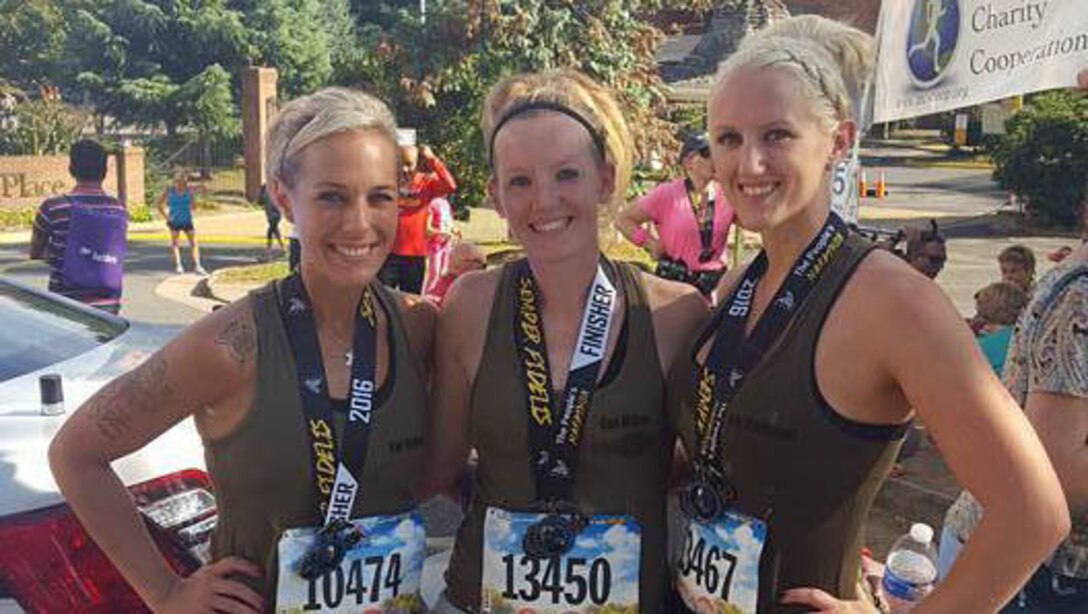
145, 389
239, 338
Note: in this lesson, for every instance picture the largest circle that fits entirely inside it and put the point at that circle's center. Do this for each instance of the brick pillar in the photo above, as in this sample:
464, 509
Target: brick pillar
130, 176
258, 106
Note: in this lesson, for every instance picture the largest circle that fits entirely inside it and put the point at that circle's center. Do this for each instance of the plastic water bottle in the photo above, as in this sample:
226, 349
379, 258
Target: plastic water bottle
911, 569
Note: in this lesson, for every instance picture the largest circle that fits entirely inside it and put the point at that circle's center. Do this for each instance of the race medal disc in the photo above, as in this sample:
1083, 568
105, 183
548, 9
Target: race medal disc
552, 536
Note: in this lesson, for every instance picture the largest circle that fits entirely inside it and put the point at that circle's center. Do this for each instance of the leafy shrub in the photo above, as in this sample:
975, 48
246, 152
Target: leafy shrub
1043, 158
39, 127
11, 219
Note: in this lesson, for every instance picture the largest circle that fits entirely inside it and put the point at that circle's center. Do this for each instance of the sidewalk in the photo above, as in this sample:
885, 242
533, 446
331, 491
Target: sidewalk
925, 149
233, 227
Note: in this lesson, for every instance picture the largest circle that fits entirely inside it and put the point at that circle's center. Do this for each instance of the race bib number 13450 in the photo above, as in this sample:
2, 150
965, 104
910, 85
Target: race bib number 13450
601, 570
380, 574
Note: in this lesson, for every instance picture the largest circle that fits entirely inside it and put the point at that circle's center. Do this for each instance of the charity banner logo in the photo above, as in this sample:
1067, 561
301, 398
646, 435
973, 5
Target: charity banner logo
932, 40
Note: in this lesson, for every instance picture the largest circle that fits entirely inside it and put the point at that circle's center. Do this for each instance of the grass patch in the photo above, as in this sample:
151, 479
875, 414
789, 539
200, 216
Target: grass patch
497, 252
257, 274
17, 219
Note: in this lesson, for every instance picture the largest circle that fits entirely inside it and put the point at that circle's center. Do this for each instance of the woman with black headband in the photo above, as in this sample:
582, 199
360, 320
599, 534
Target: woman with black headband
552, 368
684, 223
795, 399
309, 394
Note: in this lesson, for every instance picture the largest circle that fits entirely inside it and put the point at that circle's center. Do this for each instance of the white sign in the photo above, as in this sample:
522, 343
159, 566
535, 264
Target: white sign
936, 55
994, 116
406, 137
844, 189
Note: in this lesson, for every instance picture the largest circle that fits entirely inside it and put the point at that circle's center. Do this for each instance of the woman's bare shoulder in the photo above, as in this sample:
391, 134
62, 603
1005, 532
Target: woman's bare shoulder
419, 314
471, 294
672, 299
886, 295
678, 310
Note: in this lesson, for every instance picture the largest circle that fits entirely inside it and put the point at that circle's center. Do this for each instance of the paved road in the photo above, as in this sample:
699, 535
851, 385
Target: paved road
147, 265
941, 190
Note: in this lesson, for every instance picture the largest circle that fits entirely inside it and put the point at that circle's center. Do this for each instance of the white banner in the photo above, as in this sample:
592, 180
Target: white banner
937, 55
844, 189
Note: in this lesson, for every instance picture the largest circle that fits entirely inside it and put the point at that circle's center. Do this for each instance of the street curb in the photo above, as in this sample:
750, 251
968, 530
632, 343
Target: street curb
225, 293
961, 164
185, 289
201, 239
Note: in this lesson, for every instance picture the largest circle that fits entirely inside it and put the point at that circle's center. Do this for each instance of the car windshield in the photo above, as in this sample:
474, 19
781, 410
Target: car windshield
37, 330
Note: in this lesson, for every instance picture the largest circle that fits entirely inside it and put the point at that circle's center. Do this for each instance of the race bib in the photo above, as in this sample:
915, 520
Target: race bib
600, 570
719, 569
379, 574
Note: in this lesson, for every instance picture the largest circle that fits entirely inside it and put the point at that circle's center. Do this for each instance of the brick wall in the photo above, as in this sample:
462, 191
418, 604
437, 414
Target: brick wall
25, 181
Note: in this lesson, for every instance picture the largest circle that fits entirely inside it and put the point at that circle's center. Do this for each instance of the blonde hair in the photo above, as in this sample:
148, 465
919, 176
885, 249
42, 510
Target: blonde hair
1001, 303
1019, 254
830, 62
582, 95
311, 118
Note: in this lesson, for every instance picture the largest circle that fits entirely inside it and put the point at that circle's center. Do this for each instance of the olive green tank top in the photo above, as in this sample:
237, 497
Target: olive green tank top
262, 471
623, 459
808, 472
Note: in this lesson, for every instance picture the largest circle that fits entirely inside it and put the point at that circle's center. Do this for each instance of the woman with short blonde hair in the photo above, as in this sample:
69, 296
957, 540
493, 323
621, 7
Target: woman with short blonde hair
309, 395
795, 400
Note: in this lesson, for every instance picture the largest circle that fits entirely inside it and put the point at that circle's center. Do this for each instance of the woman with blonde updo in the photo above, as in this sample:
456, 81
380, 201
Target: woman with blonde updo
309, 395
552, 368
796, 397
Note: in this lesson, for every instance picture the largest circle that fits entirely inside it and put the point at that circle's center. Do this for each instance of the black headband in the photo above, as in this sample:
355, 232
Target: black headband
543, 105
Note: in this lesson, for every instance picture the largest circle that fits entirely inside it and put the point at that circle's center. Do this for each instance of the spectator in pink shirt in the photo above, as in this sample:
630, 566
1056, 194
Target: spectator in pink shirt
684, 223
440, 233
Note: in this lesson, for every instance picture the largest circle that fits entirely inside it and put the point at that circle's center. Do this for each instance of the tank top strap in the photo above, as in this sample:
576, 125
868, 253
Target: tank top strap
500, 324
842, 268
400, 352
639, 318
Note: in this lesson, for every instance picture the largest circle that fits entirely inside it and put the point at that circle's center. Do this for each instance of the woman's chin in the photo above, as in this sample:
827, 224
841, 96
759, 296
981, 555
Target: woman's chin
339, 272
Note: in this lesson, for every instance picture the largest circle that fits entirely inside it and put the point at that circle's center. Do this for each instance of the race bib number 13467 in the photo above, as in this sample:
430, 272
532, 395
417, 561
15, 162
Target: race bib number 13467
601, 570
719, 568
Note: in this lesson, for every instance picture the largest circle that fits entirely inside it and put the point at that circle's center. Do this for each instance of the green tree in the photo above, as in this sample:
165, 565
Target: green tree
133, 59
1043, 157
144, 61
32, 36
297, 37
436, 73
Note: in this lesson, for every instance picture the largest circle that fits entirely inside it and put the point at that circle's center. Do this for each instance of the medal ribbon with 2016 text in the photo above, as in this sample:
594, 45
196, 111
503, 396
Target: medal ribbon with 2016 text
335, 484
732, 357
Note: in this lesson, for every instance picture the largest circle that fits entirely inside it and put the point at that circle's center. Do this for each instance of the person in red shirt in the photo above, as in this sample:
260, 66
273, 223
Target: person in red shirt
424, 177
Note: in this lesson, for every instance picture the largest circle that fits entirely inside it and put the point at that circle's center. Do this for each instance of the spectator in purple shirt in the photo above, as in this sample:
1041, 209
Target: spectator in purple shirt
82, 234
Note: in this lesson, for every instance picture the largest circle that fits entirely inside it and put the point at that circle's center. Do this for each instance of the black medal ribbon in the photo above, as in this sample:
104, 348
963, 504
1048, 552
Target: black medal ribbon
704, 217
335, 484
555, 429
732, 357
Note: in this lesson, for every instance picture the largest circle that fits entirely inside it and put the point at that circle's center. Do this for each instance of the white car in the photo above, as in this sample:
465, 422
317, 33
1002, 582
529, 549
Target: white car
48, 563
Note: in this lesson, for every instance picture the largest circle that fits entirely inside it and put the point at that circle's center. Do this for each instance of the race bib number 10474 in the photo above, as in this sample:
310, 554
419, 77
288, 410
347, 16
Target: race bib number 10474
380, 574
601, 570
719, 568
